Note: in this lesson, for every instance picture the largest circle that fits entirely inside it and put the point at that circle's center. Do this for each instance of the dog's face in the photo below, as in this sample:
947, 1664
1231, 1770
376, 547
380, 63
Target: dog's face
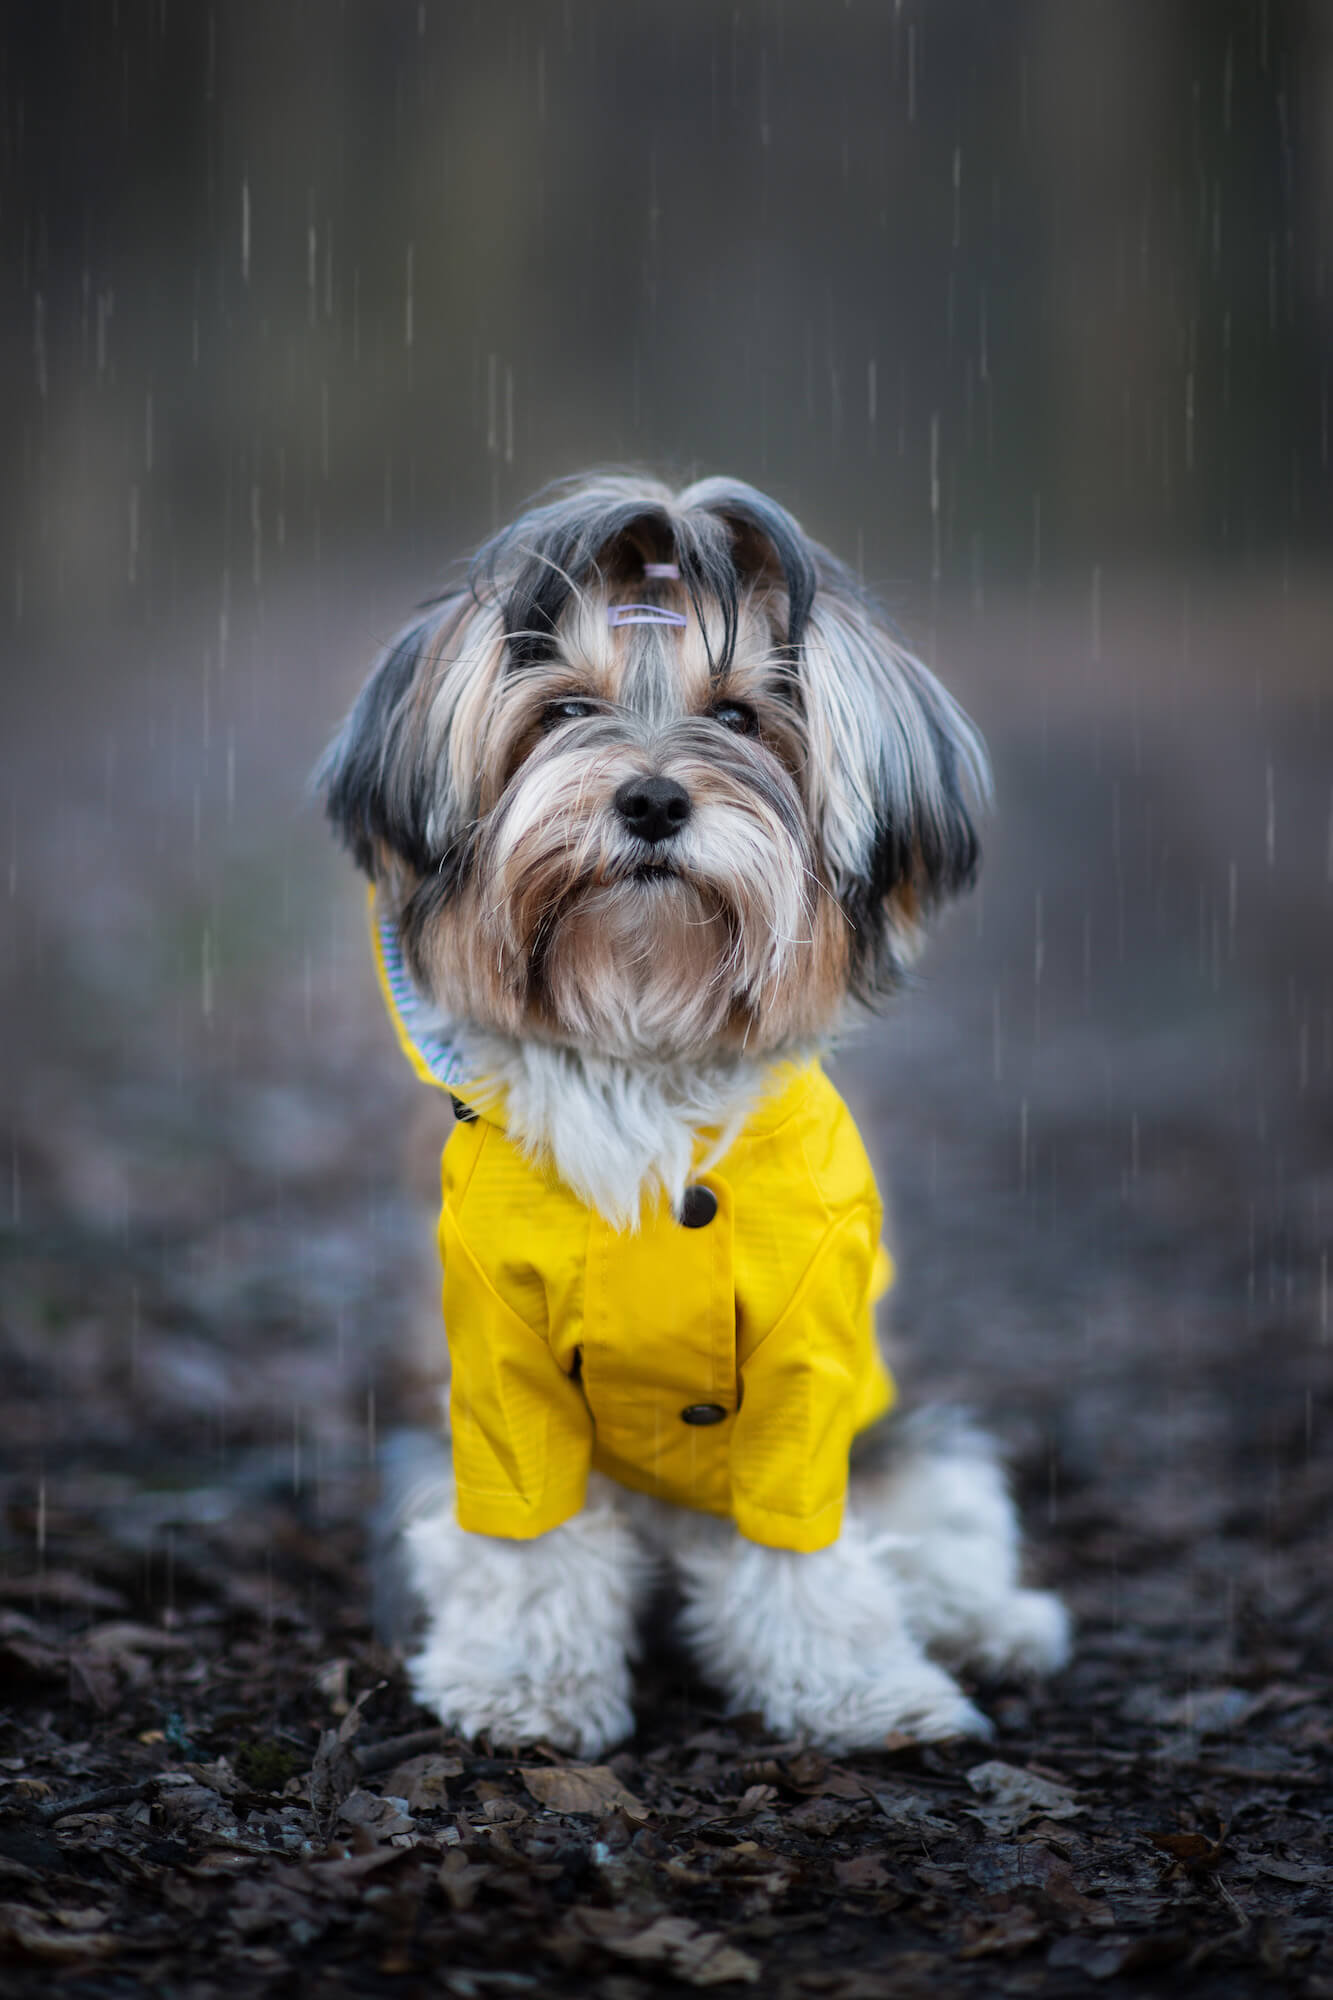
658, 783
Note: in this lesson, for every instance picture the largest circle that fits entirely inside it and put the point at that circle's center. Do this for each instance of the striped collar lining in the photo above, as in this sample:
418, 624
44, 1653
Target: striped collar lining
438, 1052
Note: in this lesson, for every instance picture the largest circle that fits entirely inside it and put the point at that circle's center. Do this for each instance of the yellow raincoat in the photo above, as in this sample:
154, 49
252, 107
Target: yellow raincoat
723, 1363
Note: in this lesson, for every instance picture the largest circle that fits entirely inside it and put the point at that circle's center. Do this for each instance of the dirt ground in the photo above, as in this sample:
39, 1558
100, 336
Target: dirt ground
1102, 1117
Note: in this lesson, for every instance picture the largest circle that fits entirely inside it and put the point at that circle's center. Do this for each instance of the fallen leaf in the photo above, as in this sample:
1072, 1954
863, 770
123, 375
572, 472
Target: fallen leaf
218, 1776
1014, 1796
912, 1809
63, 1586
580, 1788
64, 1938
1000, 1867
460, 1879
499, 1812
383, 1816
847, 1785
1104, 1958
1289, 1871
424, 1781
338, 1871
699, 1957
1012, 1931
1195, 1850
335, 1772
863, 1871
124, 1636
822, 1816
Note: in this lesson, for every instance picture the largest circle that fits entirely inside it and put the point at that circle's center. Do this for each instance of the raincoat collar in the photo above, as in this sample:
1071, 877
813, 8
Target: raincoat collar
437, 1058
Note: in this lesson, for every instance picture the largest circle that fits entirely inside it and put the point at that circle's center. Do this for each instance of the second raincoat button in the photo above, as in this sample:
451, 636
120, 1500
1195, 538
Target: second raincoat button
703, 1413
698, 1207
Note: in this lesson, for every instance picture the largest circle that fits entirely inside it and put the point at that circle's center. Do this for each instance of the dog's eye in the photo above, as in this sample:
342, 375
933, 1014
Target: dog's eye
571, 709
737, 716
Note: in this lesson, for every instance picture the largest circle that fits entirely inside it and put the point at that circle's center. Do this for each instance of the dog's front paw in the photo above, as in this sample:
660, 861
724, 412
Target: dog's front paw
580, 1712
861, 1710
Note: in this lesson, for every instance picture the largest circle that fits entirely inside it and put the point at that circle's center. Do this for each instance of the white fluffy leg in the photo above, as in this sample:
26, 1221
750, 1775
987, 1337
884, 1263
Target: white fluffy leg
816, 1643
527, 1641
941, 1511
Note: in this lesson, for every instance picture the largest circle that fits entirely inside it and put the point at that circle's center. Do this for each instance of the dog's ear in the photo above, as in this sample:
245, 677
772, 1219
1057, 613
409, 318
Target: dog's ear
893, 760
391, 778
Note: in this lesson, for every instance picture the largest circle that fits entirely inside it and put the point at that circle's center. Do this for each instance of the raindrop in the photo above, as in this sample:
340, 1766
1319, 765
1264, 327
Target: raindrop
39, 342
935, 558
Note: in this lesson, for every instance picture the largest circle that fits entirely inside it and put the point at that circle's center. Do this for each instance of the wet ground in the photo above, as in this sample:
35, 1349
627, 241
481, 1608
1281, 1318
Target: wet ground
1103, 1120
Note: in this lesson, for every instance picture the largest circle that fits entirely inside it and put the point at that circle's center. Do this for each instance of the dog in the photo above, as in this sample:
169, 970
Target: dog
651, 806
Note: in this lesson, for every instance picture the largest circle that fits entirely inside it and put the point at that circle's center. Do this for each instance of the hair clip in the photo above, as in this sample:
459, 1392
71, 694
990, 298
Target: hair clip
643, 614
663, 572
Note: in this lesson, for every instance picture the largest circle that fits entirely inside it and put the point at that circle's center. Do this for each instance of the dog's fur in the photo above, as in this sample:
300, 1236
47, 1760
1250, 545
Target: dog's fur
623, 996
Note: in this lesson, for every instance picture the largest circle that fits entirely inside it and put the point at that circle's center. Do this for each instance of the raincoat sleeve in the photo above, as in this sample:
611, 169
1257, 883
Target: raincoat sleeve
811, 1383
522, 1432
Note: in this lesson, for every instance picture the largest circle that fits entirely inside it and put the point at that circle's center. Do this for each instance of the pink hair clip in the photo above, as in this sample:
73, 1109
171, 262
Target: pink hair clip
643, 614
662, 572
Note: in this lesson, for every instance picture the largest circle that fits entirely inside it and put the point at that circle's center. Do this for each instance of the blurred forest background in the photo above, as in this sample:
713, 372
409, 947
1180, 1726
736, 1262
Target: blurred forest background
1027, 310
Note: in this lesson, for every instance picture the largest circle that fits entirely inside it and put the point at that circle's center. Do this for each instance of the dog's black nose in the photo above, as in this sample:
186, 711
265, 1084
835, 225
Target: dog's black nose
654, 808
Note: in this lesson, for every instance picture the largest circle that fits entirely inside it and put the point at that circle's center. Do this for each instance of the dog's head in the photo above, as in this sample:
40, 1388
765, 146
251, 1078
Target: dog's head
658, 782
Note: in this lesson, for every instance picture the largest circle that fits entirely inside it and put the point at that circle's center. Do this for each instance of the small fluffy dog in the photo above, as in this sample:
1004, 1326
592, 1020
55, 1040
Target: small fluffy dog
649, 808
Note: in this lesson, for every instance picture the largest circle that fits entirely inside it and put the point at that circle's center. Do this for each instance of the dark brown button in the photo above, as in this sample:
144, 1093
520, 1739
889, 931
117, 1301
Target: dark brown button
704, 1413
697, 1208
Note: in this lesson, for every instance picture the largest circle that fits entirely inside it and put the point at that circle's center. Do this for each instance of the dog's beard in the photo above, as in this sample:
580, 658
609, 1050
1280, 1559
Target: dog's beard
647, 951
643, 967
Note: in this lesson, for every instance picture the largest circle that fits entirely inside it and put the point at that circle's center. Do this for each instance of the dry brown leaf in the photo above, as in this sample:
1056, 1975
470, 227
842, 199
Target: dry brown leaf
1107, 1957
335, 1772
698, 1956
382, 1817
503, 1811
807, 1771
1195, 1850
424, 1781
64, 1938
1014, 1796
29, 1792
914, 1810
341, 1871
863, 1871
63, 1586
1013, 1931
218, 1776
580, 1788
840, 1784
122, 1635
460, 1879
